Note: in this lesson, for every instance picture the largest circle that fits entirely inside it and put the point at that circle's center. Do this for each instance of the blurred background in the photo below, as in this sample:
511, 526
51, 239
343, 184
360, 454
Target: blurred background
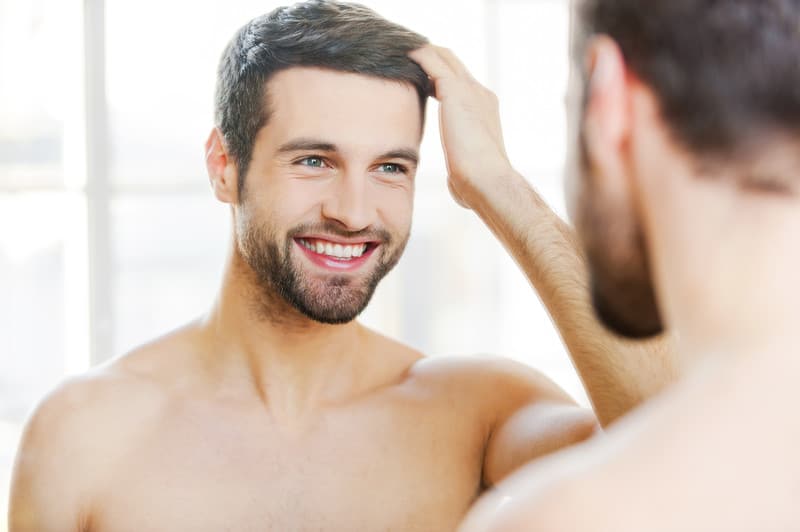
109, 234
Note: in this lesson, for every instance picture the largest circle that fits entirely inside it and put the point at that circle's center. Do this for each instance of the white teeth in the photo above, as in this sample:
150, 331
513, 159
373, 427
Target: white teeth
335, 250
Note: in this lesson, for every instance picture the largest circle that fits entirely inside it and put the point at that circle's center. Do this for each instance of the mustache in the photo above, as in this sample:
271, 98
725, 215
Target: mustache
331, 228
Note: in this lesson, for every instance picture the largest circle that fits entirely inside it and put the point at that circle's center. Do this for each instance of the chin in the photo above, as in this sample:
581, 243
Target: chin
334, 301
630, 313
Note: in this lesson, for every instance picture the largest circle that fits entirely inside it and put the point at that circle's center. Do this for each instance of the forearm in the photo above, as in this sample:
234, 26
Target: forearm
617, 373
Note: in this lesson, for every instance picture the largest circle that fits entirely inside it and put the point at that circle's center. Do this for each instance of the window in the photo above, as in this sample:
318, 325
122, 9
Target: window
110, 236
43, 217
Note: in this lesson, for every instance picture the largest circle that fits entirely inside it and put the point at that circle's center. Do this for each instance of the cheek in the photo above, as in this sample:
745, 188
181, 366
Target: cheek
611, 232
291, 202
395, 207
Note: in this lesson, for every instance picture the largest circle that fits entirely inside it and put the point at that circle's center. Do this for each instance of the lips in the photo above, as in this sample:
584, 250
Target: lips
336, 256
334, 249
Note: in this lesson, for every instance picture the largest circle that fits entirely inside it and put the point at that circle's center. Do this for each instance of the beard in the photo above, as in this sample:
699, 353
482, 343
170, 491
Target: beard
623, 295
332, 299
622, 288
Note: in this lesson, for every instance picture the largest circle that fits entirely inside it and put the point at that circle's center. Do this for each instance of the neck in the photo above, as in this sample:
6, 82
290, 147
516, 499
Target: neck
740, 301
292, 363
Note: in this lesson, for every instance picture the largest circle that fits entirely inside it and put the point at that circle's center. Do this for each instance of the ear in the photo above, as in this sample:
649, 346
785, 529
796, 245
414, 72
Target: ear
607, 120
222, 171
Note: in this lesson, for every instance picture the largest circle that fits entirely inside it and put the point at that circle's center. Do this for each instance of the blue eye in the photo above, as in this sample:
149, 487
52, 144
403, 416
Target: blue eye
392, 168
312, 162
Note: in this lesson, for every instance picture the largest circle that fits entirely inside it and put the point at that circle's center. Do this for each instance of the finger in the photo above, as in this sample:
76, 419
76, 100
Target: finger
437, 69
432, 63
438, 57
443, 67
453, 61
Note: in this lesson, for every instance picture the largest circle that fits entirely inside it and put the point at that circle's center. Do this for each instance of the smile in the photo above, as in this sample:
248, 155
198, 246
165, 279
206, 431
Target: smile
333, 250
336, 256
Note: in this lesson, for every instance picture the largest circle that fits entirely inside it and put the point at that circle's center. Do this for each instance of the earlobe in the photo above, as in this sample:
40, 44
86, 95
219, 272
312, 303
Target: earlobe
222, 173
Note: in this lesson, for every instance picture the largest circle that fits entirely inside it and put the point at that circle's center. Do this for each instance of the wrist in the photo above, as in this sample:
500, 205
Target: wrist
493, 186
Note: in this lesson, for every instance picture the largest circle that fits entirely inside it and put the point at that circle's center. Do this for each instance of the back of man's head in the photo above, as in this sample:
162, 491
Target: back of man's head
690, 121
724, 71
329, 34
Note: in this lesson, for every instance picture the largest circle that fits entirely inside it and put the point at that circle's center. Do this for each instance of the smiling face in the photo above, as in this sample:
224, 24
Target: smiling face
326, 206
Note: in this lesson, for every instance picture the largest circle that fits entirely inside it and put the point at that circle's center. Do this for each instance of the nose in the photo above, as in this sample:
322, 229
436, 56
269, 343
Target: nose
348, 203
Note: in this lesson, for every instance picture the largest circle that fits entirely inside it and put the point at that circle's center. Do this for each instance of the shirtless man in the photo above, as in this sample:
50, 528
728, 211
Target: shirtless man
686, 196
278, 411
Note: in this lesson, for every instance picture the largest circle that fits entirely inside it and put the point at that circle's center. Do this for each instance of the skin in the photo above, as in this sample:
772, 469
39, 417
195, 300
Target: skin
258, 418
715, 451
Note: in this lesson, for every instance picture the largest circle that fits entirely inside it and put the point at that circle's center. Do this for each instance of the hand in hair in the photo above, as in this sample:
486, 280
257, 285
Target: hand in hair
469, 118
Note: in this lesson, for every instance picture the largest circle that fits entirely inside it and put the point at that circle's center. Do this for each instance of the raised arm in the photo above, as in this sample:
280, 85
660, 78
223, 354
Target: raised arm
618, 374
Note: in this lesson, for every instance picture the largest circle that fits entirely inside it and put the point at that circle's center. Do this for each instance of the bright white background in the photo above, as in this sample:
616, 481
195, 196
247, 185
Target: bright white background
109, 234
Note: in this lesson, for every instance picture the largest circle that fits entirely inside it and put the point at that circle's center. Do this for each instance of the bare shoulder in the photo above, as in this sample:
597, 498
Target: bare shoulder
499, 379
95, 410
496, 388
71, 443
479, 376
118, 393
524, 414
84, 408
78, 433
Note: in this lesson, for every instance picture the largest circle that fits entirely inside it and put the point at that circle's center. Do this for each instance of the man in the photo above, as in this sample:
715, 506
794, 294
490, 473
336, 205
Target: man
279, 411
687, 199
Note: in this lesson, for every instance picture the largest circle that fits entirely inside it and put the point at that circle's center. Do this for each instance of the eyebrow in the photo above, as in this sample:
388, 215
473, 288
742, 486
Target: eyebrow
409, 154
306, 145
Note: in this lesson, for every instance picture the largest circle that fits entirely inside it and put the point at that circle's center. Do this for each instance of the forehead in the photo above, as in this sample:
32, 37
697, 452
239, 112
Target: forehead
348, 109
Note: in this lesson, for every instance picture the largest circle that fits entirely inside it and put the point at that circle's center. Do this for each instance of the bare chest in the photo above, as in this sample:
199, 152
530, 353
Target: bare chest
368, 470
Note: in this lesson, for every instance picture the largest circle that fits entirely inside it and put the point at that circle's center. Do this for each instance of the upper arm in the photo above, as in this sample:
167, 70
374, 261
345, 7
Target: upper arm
573, 490
561, 506
47, 483
533, 417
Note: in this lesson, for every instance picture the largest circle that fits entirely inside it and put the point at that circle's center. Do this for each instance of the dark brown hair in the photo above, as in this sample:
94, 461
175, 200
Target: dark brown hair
317, 33
725, 71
